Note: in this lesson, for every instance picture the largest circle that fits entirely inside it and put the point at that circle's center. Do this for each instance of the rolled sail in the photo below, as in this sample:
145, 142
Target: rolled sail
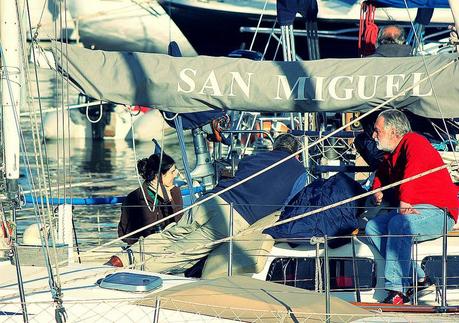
190, 84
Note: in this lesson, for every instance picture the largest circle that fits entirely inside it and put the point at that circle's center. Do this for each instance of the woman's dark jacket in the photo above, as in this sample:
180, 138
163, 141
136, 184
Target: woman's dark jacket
136, 214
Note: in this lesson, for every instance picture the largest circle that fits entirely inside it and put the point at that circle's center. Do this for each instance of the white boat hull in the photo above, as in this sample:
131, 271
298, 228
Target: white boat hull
142, 127
140, 26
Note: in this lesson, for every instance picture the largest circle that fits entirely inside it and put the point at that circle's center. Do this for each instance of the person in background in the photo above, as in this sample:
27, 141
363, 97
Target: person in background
391, 43
420, 203
156, 199
255, 199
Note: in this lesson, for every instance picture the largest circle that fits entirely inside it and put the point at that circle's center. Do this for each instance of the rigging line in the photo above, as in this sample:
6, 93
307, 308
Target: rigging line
42, 13
63, 104
134, 150
51, 276
69, 145
66, 78
437, 130
258, 24
41, 219
320, 140
125, 9
269, 41
34, 123
431, 84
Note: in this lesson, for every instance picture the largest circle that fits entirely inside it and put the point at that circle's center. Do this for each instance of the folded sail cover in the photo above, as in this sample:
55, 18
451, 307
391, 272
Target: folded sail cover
190, 84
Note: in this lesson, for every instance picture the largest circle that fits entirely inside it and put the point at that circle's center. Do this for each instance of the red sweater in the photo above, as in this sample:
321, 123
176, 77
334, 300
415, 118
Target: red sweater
414, 155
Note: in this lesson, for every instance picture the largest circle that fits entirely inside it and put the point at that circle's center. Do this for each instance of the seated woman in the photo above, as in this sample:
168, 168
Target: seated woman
156, 199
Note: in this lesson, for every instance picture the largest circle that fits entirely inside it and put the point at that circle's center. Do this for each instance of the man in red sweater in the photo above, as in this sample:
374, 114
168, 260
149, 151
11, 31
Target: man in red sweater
420, 203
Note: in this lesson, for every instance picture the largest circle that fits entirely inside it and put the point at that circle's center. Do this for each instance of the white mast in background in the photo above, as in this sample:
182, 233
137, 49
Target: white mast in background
12, 80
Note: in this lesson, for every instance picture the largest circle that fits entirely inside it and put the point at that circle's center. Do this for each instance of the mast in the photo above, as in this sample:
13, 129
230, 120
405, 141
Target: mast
12, 80
12, 74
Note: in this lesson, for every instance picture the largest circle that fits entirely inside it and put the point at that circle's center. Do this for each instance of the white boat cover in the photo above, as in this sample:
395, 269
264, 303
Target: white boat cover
247, 299
191, 84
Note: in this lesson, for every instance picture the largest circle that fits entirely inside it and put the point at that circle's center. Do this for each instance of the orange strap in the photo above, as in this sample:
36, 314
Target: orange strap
368, 30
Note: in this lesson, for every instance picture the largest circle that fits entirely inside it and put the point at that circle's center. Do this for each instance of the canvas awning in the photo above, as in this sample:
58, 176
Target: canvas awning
190, 84
247, 299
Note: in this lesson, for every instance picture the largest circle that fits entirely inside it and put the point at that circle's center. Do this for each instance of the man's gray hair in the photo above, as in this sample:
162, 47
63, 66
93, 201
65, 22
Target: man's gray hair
397, 120
287, 142
391, 34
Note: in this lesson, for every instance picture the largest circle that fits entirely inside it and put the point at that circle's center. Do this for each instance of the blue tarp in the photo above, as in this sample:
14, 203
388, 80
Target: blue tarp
337, 221
412, 3
287, 10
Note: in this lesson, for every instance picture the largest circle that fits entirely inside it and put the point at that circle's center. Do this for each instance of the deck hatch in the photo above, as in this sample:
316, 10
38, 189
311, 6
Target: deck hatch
130, 282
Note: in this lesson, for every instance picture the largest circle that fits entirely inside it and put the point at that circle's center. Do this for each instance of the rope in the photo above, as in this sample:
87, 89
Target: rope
54, 282
100, 114
258, 25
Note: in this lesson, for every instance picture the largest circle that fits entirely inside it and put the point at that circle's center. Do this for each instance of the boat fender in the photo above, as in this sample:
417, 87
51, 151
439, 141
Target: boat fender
6, 233
31, 235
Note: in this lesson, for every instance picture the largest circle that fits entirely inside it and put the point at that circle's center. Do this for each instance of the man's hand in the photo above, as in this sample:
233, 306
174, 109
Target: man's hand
407, 208
378, 196
453, 37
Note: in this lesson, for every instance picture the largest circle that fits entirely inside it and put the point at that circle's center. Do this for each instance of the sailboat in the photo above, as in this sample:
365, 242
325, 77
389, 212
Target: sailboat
43, 284
249, 22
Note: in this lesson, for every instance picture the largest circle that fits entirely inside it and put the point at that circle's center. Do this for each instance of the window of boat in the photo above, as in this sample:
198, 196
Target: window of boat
432, 266
300, 272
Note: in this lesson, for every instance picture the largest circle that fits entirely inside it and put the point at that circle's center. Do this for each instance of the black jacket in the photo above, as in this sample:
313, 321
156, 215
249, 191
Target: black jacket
392, 50
135, 213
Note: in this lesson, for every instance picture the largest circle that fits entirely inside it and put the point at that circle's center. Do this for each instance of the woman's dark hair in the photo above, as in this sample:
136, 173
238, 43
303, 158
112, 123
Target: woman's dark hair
148, 167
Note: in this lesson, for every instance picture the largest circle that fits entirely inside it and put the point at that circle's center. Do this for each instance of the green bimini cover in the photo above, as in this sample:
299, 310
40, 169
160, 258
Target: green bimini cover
251, 300
190, 84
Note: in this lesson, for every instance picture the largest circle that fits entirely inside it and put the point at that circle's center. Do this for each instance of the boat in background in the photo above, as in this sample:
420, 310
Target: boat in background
123, 25
338, 23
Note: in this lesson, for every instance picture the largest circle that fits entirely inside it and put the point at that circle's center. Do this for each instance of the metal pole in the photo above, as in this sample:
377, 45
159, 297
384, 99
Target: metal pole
230, 234
142, 253
292, 43
25, 315
157, 308
444, 259
355, 271
327, 281
284, 41
415, 272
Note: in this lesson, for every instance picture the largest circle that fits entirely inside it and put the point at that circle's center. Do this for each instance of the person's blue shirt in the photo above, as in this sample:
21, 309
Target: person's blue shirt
265, 193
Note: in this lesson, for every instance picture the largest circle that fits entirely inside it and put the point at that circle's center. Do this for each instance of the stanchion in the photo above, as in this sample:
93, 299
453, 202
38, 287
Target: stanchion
157, 308
327, 281
230, 234
142, 253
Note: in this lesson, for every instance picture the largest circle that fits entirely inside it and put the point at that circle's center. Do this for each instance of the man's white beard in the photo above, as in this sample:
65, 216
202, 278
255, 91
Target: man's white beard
381, 147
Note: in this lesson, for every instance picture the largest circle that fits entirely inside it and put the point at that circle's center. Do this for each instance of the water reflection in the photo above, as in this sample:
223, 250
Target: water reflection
97, 168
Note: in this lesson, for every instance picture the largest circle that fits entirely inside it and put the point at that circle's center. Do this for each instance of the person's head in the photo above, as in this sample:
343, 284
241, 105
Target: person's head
149, 167
390, 127
287, 143
391, 34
